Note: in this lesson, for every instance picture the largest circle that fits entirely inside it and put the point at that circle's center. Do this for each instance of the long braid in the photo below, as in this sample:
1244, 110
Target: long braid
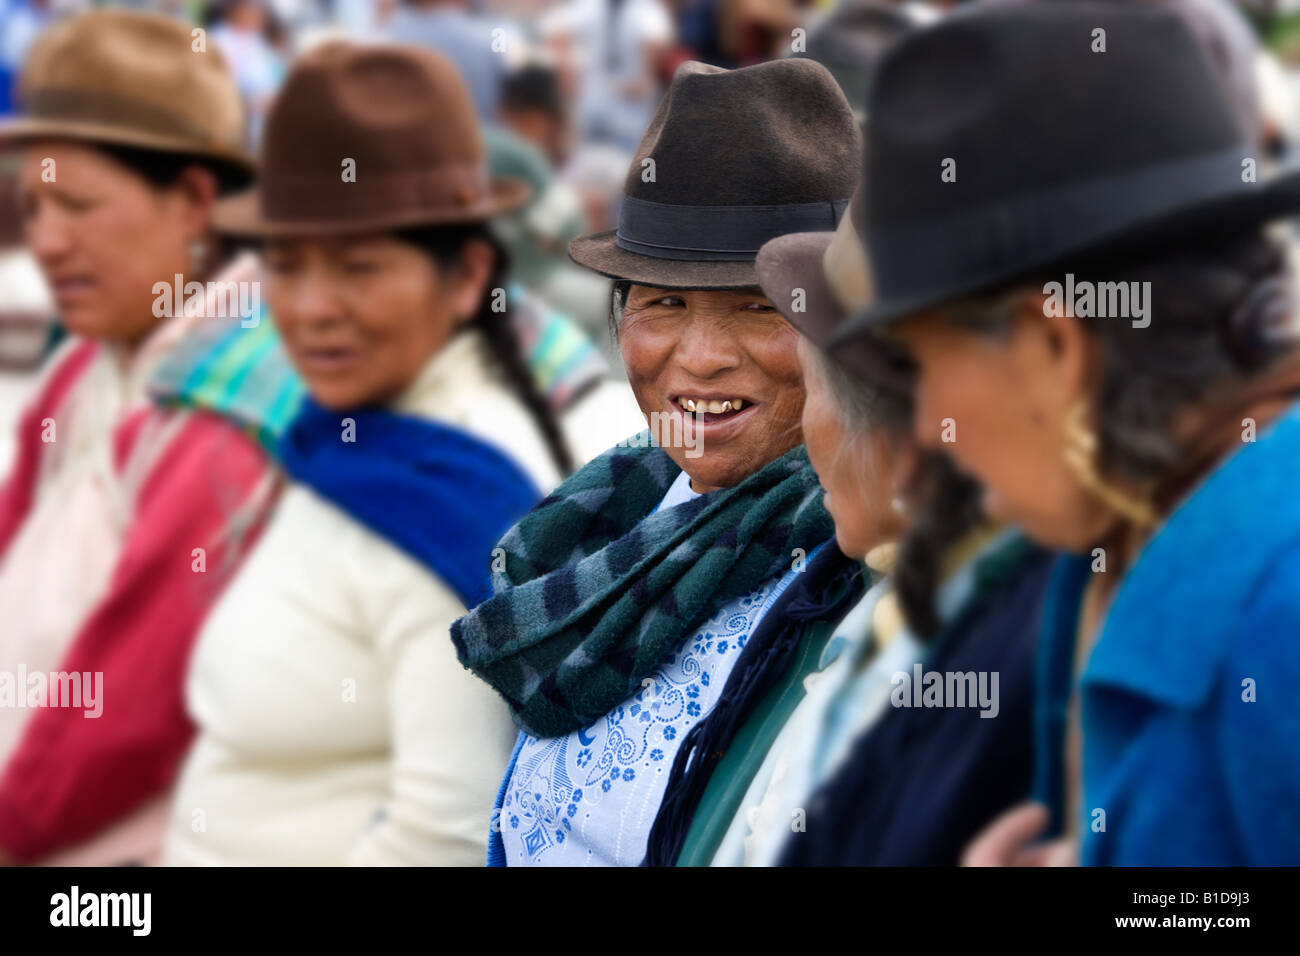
444, 244
504, 343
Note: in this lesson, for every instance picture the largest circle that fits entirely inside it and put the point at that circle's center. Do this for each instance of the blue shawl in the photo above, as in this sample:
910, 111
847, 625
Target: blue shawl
438, 493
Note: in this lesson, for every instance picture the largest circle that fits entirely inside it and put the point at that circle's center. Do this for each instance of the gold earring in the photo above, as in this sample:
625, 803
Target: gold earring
1081, 457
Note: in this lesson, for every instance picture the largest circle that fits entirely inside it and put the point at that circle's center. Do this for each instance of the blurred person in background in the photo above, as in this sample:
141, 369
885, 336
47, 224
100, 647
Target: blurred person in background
484, 48
335, 724
615, 55
1153, 434
695, 25
533, 108
242, 30
626, 598
27, 315
850, 40
21, 21
750, 31
595, 172
537, 236
119, 524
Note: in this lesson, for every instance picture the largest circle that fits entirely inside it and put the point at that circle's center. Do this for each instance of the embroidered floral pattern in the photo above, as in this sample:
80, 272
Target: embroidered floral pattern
591, 797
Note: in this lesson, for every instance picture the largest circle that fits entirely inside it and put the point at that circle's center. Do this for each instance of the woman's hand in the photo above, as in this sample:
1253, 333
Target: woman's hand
1009, 841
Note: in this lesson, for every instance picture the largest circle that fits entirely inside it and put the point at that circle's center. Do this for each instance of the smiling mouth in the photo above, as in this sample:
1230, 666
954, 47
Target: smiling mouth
711, 410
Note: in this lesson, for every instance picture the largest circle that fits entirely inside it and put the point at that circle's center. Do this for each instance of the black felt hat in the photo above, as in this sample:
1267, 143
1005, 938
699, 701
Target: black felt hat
731, 159
1067, 130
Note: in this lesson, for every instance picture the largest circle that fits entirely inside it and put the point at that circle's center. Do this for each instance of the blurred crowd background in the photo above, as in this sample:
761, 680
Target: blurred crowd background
565, 87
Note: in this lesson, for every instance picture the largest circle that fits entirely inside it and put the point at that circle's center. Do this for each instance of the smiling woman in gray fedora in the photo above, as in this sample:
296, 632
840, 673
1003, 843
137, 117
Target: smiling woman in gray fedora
625, 598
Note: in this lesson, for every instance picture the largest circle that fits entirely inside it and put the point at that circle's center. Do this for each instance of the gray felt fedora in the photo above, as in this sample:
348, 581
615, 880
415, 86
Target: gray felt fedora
732, 158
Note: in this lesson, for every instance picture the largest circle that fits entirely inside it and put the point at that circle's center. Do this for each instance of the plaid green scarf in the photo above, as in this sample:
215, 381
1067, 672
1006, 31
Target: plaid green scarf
595, 591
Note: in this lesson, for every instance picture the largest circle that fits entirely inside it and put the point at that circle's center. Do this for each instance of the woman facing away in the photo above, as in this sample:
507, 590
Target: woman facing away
119, 523
848, 774
627, 596
875, 768
1156, 440
335, 724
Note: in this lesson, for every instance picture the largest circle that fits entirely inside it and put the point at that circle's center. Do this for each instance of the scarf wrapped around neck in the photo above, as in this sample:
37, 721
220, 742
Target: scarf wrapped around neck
594, 589
438, 493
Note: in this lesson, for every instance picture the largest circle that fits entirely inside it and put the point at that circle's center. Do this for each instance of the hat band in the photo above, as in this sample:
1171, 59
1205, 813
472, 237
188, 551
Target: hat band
1031, 230
716, 233
289, 195
109, 109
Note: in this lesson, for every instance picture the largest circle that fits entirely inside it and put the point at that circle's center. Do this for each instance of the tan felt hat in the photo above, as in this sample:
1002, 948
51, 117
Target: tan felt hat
128, 78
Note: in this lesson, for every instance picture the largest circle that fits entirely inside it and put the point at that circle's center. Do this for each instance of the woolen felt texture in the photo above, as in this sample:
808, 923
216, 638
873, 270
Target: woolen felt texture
1015, 95
599, 589
404, 118
774, 133
130, 78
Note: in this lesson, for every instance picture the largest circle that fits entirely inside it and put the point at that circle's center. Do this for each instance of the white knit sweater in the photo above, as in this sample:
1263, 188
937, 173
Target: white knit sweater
335, 723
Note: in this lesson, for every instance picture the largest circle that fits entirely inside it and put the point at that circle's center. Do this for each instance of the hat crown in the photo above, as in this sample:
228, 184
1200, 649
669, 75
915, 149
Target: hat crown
388, 107
1022, 98
369, 127
136, 71
1013, 141
779, 132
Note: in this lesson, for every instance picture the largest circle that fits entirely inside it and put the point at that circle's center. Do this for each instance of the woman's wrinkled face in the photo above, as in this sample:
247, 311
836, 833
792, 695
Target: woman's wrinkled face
360, 317
998, 405
717, 377
859, 473
103, 236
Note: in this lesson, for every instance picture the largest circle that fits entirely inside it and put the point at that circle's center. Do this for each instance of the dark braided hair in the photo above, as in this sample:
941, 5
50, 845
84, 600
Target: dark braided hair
946, 506
444, 244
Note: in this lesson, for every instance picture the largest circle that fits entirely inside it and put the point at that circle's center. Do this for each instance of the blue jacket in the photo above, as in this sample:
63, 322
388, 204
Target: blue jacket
1191, 694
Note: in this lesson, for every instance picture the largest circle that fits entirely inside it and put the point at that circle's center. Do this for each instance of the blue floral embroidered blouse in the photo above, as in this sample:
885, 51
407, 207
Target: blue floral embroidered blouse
590, 798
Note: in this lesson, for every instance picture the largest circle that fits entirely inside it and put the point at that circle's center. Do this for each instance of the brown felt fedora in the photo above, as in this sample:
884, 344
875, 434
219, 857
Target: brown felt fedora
367, 137
127, 78
732, 158
818, 280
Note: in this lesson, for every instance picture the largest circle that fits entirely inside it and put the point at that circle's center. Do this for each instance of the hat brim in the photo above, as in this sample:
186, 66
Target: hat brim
600, 253
1215, 216
24, 129
795, 261
792, 263
241, 215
